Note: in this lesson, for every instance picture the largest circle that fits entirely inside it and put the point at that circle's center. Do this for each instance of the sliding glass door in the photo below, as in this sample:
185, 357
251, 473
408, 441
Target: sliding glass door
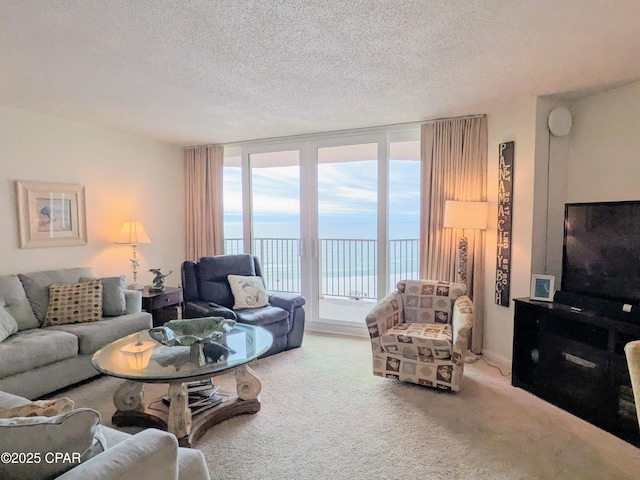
334, 218
347, 199
404, 211
275, 217
232, 201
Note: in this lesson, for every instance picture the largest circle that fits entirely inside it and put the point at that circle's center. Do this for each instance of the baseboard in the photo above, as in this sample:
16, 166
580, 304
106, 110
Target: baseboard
353, 329
495, 358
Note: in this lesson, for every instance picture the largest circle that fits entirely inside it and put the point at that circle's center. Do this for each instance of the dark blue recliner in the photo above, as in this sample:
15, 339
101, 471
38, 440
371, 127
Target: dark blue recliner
207, 293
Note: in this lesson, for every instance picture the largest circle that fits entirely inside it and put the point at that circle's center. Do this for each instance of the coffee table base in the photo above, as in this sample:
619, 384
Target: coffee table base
156, 415
176, 417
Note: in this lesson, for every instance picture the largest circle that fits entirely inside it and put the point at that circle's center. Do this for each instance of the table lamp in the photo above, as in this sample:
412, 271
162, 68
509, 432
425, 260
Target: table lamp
464, 215
138, 354
132, 233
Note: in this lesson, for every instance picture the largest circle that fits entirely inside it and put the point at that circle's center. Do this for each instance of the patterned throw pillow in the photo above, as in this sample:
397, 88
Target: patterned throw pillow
74, 303
39, 408
248, 292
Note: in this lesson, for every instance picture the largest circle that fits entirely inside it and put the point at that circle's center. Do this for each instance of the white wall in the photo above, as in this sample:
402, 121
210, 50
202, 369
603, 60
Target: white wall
510, 120
550, 190
124, 176
598, 161
604, 147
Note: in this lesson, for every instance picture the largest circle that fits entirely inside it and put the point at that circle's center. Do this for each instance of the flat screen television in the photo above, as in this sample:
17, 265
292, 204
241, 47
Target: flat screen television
601, 252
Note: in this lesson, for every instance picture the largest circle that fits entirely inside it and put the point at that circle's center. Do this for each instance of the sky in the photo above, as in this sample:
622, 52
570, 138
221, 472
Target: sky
347, 200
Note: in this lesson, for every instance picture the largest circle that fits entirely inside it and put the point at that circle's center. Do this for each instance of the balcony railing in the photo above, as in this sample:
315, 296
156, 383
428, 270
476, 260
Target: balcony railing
348, 267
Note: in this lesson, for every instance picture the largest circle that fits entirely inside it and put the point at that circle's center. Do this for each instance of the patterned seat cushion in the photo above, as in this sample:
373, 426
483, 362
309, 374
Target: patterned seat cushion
429, 301
419, 340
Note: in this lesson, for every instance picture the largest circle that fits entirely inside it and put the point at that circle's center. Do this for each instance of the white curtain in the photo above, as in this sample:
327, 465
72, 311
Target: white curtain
454, 167
203, 187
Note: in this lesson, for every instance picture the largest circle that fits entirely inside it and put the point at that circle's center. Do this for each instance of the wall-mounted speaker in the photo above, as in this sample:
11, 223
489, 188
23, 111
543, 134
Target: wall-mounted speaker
560, 121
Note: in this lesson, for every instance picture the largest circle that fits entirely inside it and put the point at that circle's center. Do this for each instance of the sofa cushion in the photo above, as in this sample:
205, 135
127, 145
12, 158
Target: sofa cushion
8, 324
112, 436
148, 455
34, 348
72, 433
192, 464
36, 286
113, 299
248, 291
15, 301
94, 335
264, 316
419, 340
429, 301
74, 303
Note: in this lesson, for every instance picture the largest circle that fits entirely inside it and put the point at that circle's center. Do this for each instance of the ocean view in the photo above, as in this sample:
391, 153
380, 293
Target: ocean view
341, 230
347, 205
348, 255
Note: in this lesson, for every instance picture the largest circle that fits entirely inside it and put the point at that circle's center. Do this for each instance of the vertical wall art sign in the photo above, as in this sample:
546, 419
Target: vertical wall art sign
505, 211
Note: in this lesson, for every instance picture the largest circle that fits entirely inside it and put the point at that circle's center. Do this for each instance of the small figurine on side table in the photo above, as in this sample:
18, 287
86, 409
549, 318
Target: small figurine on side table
158, 280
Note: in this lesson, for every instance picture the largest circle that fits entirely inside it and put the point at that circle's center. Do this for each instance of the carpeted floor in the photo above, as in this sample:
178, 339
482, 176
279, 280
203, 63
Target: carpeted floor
325, 416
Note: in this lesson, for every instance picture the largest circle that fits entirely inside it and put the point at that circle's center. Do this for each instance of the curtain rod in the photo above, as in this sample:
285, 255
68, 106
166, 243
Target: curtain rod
336, 132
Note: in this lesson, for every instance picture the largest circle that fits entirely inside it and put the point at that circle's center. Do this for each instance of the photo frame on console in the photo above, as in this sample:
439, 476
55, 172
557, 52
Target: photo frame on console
542, 287
51, 214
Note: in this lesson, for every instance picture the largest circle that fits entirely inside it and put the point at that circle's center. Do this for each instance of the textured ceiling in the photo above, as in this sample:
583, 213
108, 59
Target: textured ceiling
200, 72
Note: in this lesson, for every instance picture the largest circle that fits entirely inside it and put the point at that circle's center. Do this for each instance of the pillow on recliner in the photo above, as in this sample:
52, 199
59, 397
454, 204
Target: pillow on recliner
248, 291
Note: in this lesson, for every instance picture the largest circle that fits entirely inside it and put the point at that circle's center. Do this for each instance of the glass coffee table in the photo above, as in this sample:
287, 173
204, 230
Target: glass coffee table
139, 359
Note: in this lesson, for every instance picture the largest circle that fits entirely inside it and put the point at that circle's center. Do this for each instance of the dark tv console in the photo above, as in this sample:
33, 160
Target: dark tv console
575, 360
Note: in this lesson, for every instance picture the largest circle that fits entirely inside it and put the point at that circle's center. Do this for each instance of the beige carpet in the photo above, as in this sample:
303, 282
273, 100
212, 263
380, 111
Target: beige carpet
325, 416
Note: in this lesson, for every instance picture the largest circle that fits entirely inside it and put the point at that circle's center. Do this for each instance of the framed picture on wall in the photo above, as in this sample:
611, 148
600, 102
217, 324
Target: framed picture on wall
51, 214
542, 287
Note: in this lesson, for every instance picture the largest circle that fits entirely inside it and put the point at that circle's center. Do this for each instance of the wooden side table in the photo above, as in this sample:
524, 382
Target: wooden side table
163, 306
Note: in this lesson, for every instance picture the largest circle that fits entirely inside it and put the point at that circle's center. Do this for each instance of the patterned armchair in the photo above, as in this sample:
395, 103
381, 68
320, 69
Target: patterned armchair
419, 333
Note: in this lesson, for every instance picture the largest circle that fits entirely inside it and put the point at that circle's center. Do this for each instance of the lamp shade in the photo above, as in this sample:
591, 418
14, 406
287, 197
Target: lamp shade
465, 215
132, 233
138, 354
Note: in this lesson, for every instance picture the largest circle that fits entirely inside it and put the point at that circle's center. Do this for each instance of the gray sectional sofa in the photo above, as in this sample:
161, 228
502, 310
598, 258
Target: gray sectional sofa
35, 361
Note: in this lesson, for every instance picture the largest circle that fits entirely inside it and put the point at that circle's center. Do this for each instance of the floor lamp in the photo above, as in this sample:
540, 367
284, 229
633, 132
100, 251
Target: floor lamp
132, 233
464, 216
